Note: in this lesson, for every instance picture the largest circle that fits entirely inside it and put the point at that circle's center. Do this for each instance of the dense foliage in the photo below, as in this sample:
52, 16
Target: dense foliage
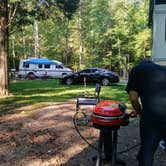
109, 33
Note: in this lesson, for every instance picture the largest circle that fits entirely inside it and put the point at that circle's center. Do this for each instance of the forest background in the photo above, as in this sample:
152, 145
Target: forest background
80, 33
109, 34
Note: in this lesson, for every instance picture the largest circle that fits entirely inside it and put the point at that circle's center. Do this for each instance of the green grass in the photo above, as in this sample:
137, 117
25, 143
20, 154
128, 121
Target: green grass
29, 95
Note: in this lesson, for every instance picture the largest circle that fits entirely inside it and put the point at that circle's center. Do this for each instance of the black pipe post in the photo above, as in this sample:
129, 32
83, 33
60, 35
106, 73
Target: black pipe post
114, 147
100, 144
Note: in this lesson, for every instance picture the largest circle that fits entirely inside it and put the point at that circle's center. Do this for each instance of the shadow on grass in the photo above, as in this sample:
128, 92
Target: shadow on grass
33, 92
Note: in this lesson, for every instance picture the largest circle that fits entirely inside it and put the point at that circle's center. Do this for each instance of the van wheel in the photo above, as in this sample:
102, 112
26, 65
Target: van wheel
31, 76
105, 82
69, 81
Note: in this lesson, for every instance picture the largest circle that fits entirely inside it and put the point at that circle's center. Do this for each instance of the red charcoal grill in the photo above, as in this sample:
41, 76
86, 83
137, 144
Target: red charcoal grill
109, 115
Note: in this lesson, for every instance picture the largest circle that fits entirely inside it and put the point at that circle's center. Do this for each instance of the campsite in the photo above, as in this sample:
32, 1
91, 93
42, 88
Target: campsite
82, 83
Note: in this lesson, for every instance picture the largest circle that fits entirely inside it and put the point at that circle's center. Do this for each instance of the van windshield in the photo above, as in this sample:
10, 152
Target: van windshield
59, 66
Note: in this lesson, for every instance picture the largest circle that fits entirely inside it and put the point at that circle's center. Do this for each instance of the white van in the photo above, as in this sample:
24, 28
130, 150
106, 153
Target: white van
42, 67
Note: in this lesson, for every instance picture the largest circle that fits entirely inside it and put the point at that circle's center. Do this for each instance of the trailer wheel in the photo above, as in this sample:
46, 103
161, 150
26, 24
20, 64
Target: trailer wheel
31, 76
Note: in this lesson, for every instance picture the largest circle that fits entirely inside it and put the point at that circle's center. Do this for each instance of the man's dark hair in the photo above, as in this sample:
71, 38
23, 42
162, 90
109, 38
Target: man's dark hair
145, 60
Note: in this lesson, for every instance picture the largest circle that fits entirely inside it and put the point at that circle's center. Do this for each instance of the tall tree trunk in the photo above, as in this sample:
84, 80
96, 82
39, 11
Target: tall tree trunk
67, 43
80, 32
36, 39
4, 90
23, 43
13, 51
36, 28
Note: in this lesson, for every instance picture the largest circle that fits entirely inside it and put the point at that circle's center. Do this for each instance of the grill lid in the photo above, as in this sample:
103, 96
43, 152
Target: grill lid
109, 108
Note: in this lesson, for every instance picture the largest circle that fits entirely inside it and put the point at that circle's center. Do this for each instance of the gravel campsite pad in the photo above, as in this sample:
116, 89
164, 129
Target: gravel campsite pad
47, 137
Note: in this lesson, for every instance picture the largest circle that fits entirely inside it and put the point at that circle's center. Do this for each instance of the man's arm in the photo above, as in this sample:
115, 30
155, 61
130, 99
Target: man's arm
133, 96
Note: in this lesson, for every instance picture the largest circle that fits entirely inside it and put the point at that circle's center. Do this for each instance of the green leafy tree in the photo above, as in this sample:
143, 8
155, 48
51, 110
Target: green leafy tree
4, 24
110, 37
6, 18
95, 24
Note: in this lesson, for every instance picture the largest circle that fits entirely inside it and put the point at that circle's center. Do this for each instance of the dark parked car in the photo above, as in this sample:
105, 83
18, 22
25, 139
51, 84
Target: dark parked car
91, 75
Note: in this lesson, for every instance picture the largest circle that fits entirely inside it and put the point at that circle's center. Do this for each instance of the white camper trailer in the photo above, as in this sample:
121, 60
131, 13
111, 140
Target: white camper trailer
42, 67
158, 24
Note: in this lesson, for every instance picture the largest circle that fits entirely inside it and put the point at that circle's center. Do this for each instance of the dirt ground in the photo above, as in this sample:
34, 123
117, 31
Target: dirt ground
48, 138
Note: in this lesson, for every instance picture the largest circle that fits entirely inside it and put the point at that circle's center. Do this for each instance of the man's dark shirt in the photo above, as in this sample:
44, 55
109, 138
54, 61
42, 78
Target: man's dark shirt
159, 2
149, 81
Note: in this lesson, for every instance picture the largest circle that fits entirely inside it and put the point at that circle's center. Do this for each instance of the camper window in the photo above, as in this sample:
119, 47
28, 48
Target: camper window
26, 65
40, 66
47, 66
59, 67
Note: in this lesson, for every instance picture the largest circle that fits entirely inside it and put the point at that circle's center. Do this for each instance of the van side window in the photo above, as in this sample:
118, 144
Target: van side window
47, 66
25, 65
59, 67
40, 66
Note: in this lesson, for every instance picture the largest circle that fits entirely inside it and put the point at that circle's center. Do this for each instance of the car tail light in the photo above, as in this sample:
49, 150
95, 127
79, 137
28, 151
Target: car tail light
115, 74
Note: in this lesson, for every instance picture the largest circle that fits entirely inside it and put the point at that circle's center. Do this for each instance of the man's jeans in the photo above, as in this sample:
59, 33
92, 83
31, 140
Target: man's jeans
149, 143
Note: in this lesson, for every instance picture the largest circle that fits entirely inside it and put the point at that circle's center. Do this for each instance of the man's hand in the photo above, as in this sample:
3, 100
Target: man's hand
133, 114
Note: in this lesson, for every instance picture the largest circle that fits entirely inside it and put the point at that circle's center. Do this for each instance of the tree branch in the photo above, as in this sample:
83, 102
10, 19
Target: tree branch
11, 16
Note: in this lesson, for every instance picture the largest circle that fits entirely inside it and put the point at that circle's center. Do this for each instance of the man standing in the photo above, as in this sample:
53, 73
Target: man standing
147, 92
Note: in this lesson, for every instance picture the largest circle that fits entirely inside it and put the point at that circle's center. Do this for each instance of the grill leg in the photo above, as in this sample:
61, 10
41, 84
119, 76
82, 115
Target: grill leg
114, 148
99, 157
77, 106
